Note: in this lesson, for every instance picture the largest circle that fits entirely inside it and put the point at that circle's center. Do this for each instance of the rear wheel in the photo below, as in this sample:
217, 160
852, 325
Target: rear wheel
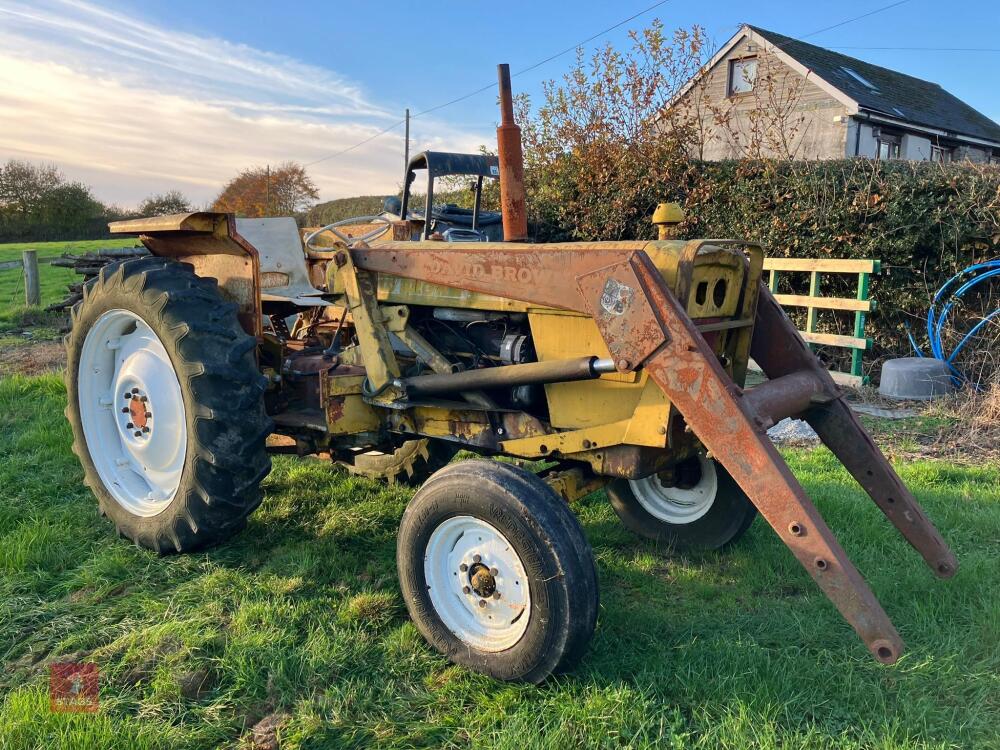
166, 405
496, 572
697, 506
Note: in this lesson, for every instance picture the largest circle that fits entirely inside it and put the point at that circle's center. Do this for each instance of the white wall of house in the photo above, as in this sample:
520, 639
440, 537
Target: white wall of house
862, 141
915, 147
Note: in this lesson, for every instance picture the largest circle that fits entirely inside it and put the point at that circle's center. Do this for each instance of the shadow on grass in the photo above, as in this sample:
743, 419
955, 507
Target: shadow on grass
300, 614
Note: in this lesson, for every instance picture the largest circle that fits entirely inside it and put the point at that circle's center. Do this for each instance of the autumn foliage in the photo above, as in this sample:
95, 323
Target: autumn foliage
268, 191
596, 149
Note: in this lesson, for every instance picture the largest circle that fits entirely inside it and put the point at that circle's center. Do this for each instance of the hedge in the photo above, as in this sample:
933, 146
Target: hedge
923, 221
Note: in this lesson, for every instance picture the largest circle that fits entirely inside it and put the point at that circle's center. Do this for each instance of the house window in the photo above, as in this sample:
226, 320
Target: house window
888, 146
742, 74
941, 154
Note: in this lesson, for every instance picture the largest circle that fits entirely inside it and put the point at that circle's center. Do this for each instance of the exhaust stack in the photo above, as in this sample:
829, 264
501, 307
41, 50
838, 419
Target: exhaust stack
512, 198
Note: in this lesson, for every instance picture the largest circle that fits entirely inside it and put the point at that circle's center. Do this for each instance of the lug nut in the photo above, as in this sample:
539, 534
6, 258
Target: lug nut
145, 429
466, 590
138, 433
496, 594
494, 572
124, 410
463, 567
128, 396
135, 390
149, 414
482, 603
477, 558
129, 426
143, 399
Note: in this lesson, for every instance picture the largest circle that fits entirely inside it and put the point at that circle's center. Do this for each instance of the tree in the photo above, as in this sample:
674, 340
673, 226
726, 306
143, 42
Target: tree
164, 204
36, 203
71, 210
23, 185
597, 148
262, 191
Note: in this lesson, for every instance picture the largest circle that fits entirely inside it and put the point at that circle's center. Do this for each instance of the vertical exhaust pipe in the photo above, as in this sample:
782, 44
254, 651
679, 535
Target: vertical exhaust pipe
512, 198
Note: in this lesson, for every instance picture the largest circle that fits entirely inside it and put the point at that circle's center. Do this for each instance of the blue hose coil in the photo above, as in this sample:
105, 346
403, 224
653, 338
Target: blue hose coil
945, 299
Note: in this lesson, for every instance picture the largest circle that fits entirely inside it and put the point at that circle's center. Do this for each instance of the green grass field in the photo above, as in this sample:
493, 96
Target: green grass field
300, 615
53, 280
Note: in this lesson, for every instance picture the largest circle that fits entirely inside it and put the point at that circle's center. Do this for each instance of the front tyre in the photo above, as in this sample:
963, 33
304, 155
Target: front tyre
496, 572
166, 405
698, 506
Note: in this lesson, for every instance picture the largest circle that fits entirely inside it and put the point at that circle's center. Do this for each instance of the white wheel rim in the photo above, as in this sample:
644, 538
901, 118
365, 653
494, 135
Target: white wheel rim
462, 597
678, 505
126, 378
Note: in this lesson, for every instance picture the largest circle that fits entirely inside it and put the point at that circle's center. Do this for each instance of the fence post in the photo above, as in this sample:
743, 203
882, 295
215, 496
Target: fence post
32, 290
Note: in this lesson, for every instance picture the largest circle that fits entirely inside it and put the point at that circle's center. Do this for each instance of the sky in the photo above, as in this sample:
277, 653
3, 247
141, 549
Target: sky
137, 97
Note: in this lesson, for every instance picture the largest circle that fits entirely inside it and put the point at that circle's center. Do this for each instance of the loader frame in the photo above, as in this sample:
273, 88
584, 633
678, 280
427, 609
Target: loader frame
644, 326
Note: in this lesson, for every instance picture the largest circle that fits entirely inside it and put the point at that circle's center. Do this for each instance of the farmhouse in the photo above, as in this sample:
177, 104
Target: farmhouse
765, 94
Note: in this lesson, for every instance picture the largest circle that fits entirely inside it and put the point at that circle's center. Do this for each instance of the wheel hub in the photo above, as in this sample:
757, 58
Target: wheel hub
680, 496
482, 582
477, 583
138, 411
123, 362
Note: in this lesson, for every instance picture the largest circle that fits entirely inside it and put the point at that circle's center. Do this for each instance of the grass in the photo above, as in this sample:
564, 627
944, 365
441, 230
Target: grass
300, 615
52, 280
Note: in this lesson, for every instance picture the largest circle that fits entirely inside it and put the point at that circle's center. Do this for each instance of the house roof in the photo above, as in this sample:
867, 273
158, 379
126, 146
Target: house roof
885, 91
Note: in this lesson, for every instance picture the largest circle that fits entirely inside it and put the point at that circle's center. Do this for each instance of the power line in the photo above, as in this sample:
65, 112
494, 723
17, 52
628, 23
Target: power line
559, 54
856, 18
492, 84
922, 49
356, 145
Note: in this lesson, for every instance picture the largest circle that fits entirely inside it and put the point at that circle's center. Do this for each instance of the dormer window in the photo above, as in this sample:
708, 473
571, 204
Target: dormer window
742, 74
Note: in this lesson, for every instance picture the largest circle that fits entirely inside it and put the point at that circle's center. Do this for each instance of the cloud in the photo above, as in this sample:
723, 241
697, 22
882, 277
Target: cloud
132, 108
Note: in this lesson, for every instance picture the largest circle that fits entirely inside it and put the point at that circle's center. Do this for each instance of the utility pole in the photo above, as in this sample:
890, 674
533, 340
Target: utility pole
406, 144
267, 192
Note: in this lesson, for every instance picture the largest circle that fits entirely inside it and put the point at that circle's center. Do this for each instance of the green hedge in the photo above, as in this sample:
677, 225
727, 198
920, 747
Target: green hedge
923, 221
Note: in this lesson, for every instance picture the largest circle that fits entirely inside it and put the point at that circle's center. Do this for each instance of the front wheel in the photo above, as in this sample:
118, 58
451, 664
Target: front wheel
696, 506
496, 572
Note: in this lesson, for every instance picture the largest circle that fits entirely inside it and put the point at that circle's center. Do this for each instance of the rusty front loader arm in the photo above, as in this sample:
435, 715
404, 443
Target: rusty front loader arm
643, 325
779, 351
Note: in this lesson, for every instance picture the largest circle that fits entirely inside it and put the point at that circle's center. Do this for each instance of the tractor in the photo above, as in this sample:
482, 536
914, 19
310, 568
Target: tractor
614, 365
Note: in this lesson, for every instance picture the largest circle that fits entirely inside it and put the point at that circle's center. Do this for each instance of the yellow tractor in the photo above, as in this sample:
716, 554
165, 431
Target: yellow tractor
612, 364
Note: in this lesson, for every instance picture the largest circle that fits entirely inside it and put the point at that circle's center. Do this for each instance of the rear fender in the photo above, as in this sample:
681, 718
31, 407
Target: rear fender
209, 242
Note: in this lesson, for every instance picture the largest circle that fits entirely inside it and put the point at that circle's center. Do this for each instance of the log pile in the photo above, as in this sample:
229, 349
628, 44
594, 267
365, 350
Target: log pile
88, 266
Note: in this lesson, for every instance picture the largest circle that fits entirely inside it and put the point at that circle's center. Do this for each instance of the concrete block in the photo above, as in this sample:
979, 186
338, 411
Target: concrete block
918, 378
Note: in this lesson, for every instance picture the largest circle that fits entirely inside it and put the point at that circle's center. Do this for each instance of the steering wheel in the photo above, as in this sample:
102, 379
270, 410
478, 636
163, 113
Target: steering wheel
332, 228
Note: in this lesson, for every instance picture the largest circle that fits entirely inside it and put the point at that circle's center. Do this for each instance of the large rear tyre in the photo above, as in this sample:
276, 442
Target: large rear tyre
496, 572
166, 405
699, 507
